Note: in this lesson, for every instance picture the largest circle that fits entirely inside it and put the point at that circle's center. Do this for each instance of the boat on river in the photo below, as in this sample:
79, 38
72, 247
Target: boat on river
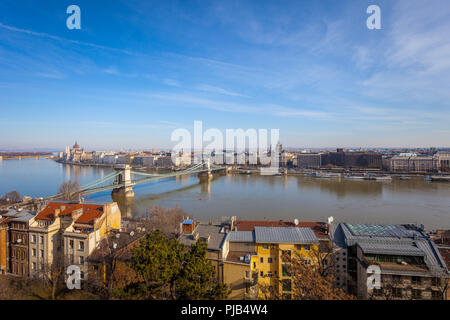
365, 176
438, 178
323, 175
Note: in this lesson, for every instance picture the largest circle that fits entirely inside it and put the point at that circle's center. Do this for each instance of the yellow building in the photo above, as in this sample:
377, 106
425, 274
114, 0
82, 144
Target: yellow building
253, 260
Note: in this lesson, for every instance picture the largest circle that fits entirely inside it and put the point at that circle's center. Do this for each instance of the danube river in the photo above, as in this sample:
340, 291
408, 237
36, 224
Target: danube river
253, 196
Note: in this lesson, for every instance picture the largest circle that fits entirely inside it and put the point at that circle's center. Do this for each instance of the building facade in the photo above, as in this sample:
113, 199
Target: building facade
410, 264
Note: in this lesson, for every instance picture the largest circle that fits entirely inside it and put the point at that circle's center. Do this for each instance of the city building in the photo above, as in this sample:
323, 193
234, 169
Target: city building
14, 235
445, 253
411, 265
164, 161
414, 163
309, 160
443, 158
352, 159
213, 234
145, 161
254, 259
320, 229
66, 233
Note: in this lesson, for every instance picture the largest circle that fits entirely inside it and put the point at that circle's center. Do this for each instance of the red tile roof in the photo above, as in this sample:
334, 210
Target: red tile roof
320, 228
90, 211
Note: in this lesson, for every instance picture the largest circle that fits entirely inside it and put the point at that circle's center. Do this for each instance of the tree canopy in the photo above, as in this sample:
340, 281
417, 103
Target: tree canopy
168, 270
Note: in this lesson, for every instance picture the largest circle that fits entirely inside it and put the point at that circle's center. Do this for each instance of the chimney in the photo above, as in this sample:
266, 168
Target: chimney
57, 212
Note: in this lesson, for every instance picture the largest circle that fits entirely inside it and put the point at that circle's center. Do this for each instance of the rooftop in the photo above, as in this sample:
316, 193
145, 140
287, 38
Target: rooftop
274, 235
89, 211
285, 235
393, 240
20, 216
214, 232
320, 228
235, 256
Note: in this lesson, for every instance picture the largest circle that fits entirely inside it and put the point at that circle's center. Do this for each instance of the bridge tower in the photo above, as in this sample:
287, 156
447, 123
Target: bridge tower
124, 183
206, 176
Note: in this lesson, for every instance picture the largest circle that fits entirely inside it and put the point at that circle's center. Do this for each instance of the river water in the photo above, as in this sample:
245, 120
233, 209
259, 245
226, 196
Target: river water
252, 196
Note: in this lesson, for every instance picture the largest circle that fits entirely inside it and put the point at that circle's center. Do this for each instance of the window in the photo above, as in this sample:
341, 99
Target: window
81, 260
33, 239
436, 281
284, 254
285, 270
299, 247
82, 275
81, 246
254, 264
416, 294
70, 244
33, 252
261, 260
269, 260
33, 266
42, 253
247, 274
261, 273
306, 247
397, 292
269, 274
41, 239
286, 285
265, 246
71, 259
416, 280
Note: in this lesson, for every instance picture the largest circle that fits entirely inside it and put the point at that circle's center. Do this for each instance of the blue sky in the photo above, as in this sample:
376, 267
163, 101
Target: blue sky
137, 70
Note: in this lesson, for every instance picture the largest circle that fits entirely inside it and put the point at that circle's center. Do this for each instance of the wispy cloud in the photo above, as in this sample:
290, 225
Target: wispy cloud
213, 89
171, 82
60, 39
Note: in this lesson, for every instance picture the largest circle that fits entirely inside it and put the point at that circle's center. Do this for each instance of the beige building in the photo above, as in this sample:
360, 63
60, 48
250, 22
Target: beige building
414, 163
443, 158
68, 232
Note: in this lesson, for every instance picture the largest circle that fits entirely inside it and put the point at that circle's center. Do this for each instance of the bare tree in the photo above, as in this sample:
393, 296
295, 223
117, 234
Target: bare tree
167, 220
11, 197
308, 279
52, 274
69, 190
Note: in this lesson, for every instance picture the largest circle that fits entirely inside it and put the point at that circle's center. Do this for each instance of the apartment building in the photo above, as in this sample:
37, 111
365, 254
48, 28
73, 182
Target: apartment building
14, 234
411, 265
67, 232
213, 234
254, 259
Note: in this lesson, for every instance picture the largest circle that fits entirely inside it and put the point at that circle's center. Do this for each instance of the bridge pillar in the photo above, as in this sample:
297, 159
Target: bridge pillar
125, 185
206, 176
